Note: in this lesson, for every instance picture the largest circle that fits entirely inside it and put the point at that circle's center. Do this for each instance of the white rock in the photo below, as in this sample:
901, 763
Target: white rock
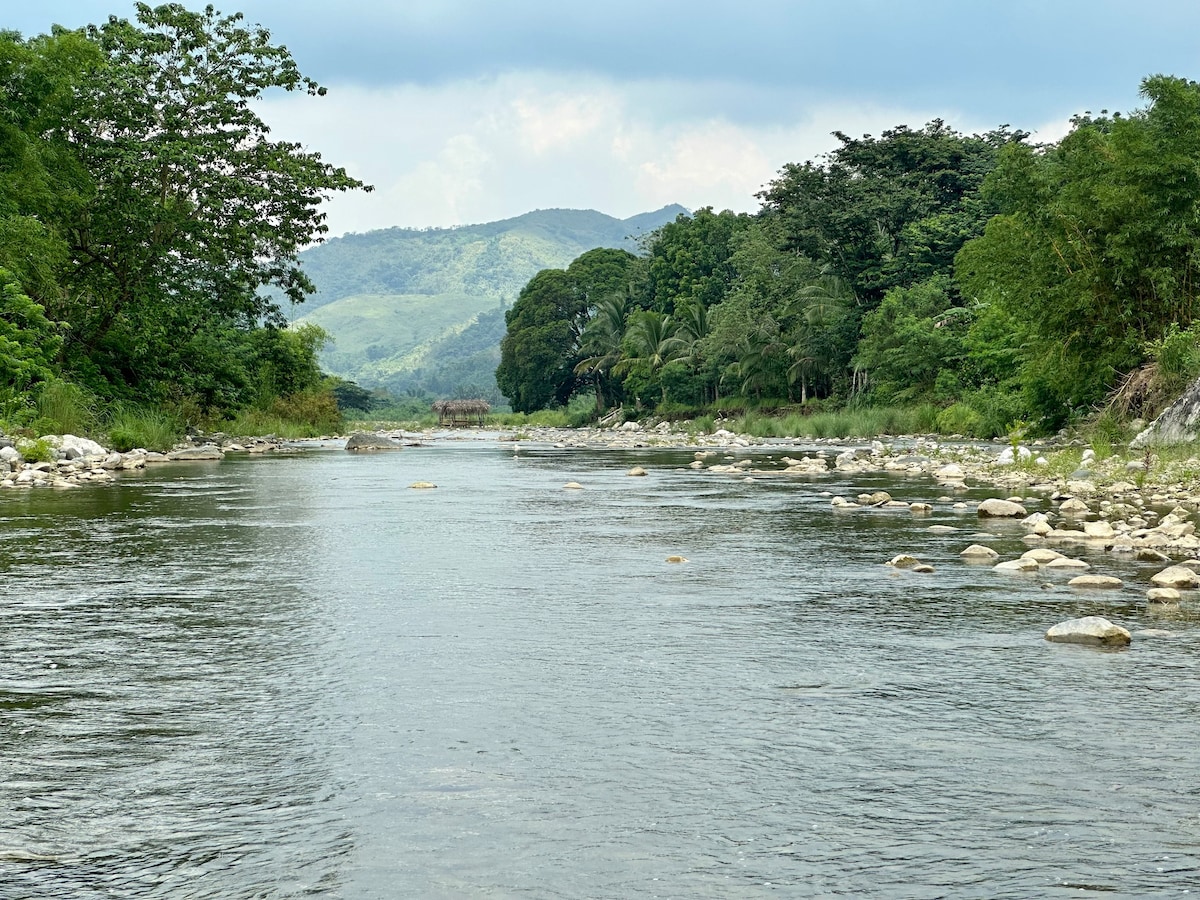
903, 561
1042, 555
1088, 630
1163, 595
1073, 506
1176, 577
1001, 508
1098, 529
1016, 565
1066, 562
978, 551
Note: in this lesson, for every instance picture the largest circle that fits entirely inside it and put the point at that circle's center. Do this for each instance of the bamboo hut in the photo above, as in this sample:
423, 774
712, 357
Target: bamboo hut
461, 412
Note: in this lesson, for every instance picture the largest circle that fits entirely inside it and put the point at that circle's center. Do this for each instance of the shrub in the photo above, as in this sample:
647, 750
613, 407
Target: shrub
36, 450
132, 427
65, 408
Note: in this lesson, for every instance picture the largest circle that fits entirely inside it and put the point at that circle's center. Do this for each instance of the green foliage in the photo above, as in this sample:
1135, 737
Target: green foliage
66, 408
540, 360
1094, 254
960, 418
35, 450
314, 409
690, 260
1177, 357
144, 204
914, 335
890, 211
132, 427
29, 342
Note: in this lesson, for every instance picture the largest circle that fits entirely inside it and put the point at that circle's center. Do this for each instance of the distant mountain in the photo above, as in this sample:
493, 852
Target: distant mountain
423, 309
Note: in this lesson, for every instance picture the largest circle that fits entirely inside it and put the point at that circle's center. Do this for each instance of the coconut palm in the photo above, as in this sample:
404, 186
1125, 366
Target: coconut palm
651, 341
601, 343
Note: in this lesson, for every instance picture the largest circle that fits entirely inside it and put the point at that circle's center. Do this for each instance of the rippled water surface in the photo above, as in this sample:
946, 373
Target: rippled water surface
296, 677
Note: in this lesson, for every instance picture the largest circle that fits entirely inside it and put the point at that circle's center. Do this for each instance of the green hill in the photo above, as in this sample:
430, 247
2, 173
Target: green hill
414, 310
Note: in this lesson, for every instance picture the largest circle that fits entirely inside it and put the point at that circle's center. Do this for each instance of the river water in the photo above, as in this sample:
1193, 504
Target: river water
296, 677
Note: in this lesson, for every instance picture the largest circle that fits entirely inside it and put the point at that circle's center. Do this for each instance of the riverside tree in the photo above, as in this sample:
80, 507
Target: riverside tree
173, 207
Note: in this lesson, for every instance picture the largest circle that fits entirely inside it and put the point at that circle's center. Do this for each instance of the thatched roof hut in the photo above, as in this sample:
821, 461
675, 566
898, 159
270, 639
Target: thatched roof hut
461, 412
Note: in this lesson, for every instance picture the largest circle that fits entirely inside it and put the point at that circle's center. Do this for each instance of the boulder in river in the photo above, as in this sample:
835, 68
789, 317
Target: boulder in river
365, 440
1016, 565
1176, 577
1089, 630
1001, 508
208, 451
978, 551
1163, 595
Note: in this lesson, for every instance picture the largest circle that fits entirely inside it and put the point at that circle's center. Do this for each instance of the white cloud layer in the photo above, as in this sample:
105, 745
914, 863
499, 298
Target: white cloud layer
484, 149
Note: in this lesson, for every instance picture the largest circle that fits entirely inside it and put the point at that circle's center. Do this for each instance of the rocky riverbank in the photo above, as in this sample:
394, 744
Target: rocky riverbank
67, 461
1139, 507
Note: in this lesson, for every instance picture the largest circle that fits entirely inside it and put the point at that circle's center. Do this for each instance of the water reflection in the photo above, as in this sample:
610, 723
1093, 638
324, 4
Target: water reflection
276, 678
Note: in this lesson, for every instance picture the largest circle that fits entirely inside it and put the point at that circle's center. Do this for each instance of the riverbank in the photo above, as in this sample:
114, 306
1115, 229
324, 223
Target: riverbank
67, 461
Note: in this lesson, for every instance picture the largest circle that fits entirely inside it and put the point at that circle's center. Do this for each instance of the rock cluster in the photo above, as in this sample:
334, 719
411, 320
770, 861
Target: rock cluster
77, 461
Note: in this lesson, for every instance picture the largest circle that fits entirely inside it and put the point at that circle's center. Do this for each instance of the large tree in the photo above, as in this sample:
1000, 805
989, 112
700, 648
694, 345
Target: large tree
190, 208
542, 349
1095, 253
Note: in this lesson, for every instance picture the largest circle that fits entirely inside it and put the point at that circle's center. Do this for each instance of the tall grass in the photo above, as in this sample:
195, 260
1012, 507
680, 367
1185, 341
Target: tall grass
65, 408
131, 427
854, 422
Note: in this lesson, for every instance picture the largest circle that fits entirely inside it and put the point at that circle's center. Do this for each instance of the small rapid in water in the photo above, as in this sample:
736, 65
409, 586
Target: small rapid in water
296, 677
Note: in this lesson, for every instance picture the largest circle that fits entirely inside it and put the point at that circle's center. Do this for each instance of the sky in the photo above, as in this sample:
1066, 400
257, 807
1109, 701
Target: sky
467, 111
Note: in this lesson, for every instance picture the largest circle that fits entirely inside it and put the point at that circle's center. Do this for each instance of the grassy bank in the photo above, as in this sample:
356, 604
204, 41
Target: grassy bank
64, 408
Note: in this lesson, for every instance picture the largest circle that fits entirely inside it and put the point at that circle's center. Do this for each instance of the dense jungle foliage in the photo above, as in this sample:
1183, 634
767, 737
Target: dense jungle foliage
1005, 282
144, 208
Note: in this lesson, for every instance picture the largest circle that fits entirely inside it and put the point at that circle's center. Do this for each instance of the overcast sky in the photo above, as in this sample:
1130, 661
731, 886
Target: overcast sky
463, 111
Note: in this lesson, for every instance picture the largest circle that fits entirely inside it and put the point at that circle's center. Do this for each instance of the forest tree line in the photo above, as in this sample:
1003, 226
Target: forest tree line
144, 208
1001, 280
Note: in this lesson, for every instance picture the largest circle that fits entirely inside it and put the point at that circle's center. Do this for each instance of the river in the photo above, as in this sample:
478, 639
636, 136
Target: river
297, 677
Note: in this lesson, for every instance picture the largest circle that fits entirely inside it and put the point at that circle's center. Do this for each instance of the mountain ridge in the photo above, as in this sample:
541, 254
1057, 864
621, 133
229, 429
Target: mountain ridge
421, 310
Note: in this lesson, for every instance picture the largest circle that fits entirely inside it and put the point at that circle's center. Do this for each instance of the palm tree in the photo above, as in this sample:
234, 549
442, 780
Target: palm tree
819, 305
693, 328
652, 339
759, 357
601, 341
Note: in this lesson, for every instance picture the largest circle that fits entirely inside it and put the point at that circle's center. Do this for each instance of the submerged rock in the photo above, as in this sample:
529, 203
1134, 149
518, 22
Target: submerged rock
1088, 630
208, 451
1016, 565
363, 440
1163, 595
1095, 581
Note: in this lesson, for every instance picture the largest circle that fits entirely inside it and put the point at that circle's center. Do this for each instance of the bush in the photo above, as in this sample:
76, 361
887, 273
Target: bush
316, 409
133, 427
959, 419
36, 450
65, 408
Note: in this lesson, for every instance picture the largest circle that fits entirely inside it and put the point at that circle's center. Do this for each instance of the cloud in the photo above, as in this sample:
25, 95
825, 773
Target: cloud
483, 149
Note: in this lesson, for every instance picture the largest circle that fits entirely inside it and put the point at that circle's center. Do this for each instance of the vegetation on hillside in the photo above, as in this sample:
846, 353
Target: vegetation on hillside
144, 208
987, 280
420, 312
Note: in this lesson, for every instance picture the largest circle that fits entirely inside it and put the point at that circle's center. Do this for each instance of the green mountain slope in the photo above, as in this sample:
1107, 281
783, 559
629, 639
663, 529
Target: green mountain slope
423, 310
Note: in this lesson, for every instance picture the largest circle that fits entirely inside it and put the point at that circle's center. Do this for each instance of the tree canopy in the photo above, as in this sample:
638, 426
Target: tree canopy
996, 279
144, 204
